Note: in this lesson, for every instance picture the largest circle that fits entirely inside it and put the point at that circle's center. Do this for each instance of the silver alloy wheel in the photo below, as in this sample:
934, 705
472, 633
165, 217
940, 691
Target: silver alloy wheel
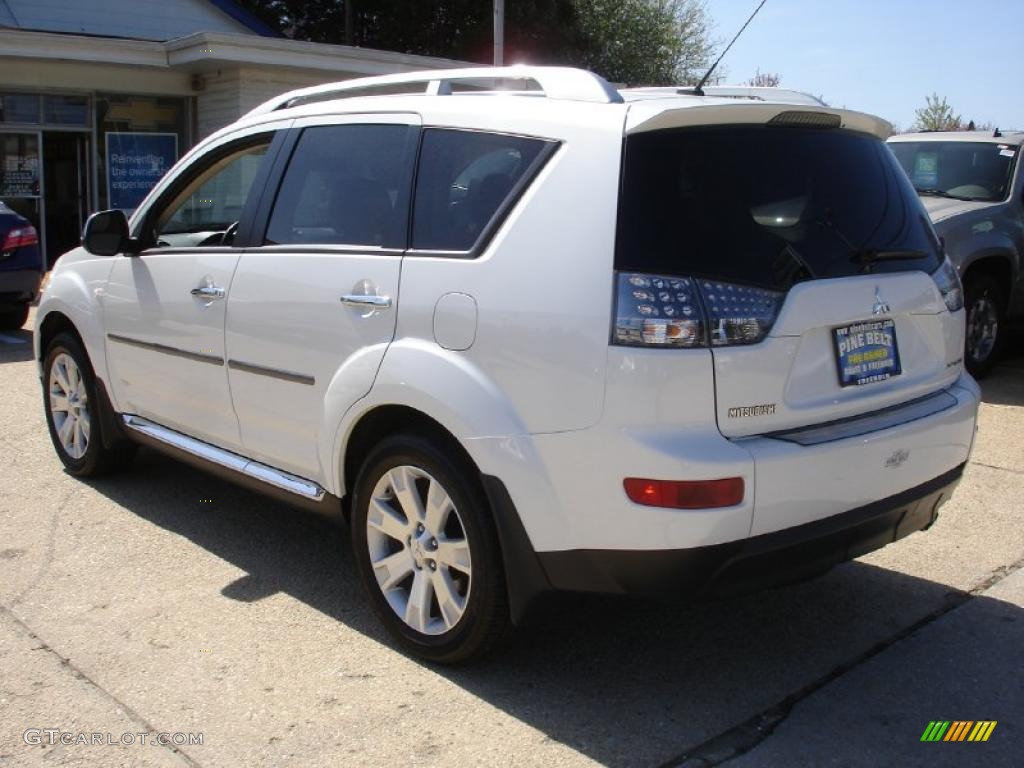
982, 327
69, 406
418, 550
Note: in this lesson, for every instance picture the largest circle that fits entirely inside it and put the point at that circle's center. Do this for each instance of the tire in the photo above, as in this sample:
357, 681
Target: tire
443, 555
986, 311
13, 319
69, 395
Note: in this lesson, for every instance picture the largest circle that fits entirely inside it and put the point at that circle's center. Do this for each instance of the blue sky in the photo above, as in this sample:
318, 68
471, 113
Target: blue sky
885, 57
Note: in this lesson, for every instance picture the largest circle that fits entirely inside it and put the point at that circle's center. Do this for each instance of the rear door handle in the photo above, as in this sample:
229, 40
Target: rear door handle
366, 300
208, 292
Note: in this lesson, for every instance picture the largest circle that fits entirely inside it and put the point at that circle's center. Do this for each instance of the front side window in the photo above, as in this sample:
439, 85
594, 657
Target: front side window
346, 184
206, 211
464, 178
966, 170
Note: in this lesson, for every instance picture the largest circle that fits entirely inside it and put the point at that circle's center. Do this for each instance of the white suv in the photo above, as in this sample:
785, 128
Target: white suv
559, 337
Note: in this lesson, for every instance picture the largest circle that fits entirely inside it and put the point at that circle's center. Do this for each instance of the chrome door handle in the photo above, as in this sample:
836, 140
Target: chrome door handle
366, 300
208, 292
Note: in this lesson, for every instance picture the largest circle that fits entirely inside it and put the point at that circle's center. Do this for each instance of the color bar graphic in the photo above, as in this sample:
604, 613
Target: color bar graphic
958, 730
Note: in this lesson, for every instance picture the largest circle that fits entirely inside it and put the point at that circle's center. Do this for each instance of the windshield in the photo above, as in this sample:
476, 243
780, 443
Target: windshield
768, 206
978, 170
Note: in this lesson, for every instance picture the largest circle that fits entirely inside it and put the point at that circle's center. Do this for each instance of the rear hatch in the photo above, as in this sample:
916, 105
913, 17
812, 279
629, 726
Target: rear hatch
798, 252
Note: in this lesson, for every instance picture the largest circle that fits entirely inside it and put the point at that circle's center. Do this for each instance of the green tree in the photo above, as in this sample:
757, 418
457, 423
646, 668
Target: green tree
656, 42
936, 115
652, 42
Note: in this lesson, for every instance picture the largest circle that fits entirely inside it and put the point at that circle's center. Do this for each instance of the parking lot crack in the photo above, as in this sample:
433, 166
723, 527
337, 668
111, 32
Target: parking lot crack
744, 737
51, 548
1001, 469
78, 674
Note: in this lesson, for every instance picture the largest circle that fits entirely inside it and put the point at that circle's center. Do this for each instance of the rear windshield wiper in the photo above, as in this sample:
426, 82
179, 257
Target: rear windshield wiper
868, 256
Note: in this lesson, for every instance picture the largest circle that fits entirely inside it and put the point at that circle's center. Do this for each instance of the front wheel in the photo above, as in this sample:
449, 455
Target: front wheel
983, 301
427, 551
72, 411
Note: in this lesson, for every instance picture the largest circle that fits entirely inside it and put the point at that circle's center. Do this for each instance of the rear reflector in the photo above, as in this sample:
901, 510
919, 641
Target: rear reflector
19, 237
685, 494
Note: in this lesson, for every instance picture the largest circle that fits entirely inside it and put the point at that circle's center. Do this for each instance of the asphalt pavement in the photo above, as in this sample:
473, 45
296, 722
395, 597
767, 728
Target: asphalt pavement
164, 605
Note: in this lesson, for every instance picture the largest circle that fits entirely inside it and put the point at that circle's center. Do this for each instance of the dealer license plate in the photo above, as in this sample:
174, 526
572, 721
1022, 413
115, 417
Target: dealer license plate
866, 352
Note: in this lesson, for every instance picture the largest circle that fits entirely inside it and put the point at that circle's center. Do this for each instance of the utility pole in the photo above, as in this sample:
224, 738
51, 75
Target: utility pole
499, 33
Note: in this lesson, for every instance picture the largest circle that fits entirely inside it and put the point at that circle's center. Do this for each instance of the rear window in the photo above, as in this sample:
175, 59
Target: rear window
464, 178
768, 206
964, 169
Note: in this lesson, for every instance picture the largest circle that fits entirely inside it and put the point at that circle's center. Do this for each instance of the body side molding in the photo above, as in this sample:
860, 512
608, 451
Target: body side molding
274, 373
174, 351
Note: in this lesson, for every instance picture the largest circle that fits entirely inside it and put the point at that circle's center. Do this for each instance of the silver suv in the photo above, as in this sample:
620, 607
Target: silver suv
973, 188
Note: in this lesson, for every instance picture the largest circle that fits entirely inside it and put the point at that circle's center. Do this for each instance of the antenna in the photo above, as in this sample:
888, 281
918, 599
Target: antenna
699, 90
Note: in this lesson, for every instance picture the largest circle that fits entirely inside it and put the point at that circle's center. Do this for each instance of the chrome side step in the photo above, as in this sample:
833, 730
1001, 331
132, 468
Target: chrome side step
254, 470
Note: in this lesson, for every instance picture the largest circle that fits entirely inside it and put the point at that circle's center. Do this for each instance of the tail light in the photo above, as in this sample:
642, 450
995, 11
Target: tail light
19, 237
666, 311
685, 494
657, 311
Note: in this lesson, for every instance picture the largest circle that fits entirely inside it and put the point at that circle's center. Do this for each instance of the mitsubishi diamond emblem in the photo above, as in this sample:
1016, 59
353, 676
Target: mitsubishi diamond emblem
897, 458
880, 308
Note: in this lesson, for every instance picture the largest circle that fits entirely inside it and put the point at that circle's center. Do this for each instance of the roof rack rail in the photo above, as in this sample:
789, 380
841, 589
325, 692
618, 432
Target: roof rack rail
552, 82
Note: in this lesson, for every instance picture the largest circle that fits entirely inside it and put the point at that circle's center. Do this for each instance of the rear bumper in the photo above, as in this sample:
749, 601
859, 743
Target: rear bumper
755, 563
18, 286
568, 487
797, 484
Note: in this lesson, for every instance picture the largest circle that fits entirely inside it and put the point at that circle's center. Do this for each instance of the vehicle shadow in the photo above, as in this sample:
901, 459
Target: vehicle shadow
1005, 385
16, 346
622, 682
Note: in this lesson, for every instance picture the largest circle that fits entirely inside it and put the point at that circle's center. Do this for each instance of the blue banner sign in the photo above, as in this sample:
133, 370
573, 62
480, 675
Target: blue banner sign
135, 163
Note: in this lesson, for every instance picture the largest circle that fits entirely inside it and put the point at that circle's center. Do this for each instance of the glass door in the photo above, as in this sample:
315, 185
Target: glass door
20, 178
66, 185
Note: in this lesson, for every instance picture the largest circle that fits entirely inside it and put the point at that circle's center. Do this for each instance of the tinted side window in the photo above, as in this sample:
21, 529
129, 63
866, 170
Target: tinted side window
464, 177
346, 184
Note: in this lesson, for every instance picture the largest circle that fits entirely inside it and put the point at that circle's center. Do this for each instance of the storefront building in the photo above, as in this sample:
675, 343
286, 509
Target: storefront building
97, 103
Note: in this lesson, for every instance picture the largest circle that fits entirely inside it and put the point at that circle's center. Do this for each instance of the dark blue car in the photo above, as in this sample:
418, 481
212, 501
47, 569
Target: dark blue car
21, 267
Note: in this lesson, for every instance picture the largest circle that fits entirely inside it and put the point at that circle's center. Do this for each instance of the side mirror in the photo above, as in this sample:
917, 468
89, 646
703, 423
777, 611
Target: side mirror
106, 234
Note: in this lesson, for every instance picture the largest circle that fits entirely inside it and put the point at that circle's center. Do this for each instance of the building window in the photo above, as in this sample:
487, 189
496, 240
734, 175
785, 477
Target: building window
66, 110
21, 108
45, 110
144, 136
